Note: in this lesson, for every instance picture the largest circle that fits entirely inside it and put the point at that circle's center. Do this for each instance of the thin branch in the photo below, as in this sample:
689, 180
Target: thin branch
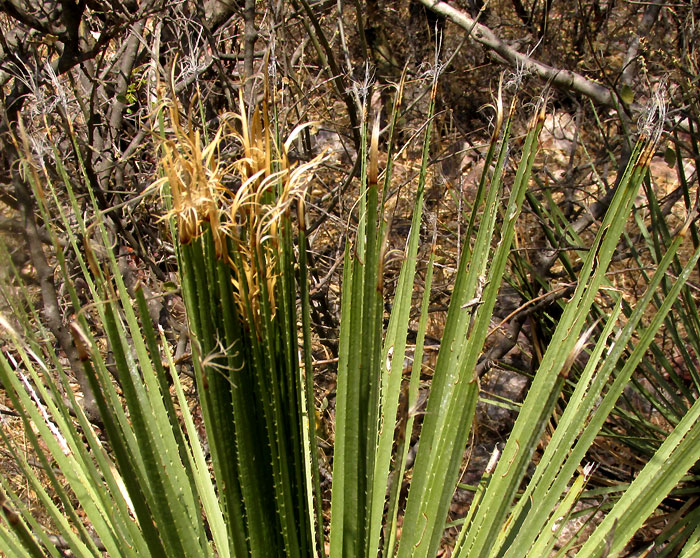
651, 14
249, 38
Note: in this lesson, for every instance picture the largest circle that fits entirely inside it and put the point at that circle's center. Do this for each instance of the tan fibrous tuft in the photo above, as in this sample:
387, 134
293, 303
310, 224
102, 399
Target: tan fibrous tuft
240, 198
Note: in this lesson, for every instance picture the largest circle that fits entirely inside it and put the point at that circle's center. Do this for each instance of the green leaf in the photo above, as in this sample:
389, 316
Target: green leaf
627, 94
169, 286
670, 155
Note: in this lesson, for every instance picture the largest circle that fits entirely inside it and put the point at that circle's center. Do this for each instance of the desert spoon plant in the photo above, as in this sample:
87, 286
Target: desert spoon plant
241, 282
140, 484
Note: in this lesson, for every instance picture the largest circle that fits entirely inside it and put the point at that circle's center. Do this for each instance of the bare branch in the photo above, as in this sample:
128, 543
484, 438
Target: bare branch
49, 296
564, 79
